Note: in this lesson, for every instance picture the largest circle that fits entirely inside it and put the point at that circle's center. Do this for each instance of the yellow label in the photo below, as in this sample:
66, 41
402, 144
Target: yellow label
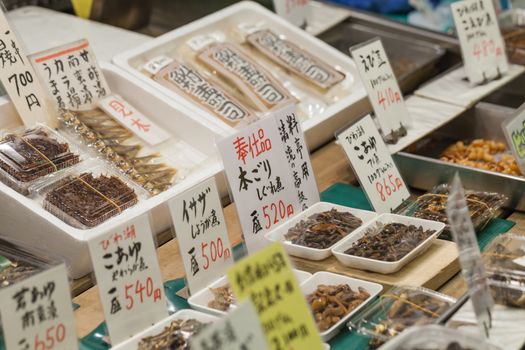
82, 7
268, 280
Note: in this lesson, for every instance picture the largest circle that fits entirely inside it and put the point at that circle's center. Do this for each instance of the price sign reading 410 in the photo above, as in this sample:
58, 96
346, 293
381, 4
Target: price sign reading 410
382, 87
374, 166
482, 46
37, 313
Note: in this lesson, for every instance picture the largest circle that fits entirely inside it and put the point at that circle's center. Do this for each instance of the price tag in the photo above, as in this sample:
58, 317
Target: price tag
128, 278
133, 120
156, 64
37, 313
260, 180
202, 234
482, 46
294, 11
514, 130
20, 80
374, 166
266, 278
239, 330
297, 156
469, 255
381, 85
72, 75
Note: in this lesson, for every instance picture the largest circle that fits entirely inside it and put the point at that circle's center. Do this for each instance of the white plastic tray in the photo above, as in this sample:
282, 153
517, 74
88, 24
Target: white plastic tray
329, 278
318, 129
199, 301
380, 266
24, 219
186, 314
280, 231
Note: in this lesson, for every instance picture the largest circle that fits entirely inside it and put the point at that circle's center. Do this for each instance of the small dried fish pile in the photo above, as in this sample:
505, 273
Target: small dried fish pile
12, 271
322, 230
390, 242
330, 303
223, 298
173, 337
111, 139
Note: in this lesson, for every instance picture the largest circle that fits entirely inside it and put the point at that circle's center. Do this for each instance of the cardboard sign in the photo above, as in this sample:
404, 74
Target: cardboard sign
21, 81
202, 234
239, 330
266, 278
373, 165
72, 75
133, 120
37, 313
381, 85
128, 278
469, 255
514, 130
482, 46
294, 11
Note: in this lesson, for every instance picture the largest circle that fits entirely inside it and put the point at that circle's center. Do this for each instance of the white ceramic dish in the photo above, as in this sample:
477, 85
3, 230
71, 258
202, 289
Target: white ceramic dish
318, 129
199, 301
280, 231
329, 278
25, 219
385, 267
186, 314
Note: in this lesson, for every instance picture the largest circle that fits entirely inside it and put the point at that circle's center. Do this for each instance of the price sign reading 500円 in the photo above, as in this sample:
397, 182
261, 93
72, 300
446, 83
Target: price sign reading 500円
374, 166
482, 46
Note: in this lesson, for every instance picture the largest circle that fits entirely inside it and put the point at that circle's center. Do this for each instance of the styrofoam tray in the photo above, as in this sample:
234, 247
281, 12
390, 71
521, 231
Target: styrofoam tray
329, 278
24, 218
186, 314
317, 129
380, 266
199, 301
278, 233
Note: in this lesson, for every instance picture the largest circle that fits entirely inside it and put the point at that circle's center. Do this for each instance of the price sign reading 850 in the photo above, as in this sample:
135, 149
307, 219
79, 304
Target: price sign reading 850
374, 166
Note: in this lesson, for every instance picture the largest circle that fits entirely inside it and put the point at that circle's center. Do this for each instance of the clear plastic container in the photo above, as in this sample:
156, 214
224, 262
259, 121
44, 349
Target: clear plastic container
435, 337
397, 310
432, 206
27, 155
504, 262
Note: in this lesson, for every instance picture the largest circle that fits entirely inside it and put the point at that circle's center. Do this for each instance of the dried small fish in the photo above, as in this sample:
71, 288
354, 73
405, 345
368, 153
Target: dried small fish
15, 271
223, 298
173, 337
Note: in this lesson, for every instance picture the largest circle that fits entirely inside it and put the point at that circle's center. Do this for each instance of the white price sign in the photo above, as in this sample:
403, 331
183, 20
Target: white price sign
72, 75
239, 330
156, 64
37, 313
482, 46
128, 278
260, 180
202, 234
514, 130
381, 85
20, 79
374, 166
133, 120
294, 11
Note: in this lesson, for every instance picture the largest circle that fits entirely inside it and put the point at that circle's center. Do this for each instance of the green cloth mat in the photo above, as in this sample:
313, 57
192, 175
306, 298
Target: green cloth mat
339, 193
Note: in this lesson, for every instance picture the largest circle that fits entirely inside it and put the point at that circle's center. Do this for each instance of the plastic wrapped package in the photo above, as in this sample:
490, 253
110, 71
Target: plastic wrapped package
435, 337
432, 206
397, 310
27, 155
515, 44
504, 261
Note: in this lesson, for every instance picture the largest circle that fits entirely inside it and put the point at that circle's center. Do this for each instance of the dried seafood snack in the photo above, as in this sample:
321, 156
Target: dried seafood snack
293, 58
113, 140
31, 155
86, 200
389, 242
223, 298
13, 271
322, 230
331, 303
210, 96
482, 154
173, 337
233, 65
